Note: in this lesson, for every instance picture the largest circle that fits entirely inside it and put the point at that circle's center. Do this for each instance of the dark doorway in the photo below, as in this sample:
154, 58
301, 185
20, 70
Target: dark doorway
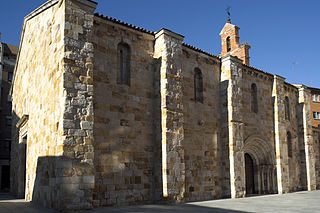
22, 185
249, 174
5, 177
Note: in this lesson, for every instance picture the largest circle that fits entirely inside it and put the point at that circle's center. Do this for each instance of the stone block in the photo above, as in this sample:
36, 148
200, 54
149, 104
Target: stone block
68, 124
86, 125
63, 163
78, 102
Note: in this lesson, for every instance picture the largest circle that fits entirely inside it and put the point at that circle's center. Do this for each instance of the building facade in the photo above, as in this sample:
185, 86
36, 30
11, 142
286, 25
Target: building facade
315, 106
128, 116
8, 55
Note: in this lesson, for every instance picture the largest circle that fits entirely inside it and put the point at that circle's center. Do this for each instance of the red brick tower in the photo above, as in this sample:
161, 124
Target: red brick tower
230, 43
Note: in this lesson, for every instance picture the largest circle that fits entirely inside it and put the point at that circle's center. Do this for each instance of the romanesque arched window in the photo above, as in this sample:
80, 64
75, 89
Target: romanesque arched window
289, 142
228, 44
254, 98
198, 86
124, 57
287, 108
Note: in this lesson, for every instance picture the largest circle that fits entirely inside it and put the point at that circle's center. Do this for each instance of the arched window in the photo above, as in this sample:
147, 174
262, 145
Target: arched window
289, 142
228, 44
198, 86
287, 108
254, 98
124, 57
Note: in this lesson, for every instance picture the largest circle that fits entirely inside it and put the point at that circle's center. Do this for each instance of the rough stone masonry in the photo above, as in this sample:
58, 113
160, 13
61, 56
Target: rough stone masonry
106, 113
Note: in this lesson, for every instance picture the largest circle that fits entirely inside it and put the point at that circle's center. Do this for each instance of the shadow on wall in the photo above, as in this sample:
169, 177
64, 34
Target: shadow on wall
45, 189
61, 183
301, 147
54, 184
224, 135
15, 161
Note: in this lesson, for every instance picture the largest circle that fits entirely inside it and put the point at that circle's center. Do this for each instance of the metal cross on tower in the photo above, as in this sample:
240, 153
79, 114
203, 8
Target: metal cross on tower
228, 13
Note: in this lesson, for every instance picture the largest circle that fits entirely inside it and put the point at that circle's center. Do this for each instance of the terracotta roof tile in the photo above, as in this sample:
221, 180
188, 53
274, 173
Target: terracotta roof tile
199, 50
124, 24
149, 32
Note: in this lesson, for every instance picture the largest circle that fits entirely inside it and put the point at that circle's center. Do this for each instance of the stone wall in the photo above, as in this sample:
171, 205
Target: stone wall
54, 92
201, 128
261, 124
316, 138
38, 92
259, 128
78, 150
260, 132
94, 140
296, 172
309, 146
168, 50
126, 135
123, 117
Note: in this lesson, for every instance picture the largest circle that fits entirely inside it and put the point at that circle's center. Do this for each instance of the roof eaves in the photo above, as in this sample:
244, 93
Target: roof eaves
200, 50
116, 21
256, 69
314, 89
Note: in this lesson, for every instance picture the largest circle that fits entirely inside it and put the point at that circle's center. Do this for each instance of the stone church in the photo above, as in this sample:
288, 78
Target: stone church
106, 113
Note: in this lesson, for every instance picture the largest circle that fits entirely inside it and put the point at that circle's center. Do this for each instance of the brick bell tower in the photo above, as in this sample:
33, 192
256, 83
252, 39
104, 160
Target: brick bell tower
230, 43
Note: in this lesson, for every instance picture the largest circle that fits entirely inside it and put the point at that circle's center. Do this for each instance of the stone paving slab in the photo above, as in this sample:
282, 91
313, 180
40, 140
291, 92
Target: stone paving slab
294, 202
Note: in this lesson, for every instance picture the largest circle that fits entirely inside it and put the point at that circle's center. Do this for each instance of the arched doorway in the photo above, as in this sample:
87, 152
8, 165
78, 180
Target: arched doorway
260, 166
249, 174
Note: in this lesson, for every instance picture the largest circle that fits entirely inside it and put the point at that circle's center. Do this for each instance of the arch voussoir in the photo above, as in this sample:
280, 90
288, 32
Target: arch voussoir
262, 153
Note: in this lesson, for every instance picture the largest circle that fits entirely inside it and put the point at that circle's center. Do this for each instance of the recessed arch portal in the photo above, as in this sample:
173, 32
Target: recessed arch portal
264, 165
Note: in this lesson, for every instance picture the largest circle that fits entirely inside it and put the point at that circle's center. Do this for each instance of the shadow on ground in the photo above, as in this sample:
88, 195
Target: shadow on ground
162, 208
9, 204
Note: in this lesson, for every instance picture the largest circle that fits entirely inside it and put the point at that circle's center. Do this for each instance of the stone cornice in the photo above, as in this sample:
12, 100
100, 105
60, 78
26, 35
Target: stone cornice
89, 3
228, 56
169, 33
278, 77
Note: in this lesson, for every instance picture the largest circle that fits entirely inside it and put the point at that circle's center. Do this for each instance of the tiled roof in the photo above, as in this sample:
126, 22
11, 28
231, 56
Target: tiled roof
199, 50
124, 24
149, 32
93, 1
256, 69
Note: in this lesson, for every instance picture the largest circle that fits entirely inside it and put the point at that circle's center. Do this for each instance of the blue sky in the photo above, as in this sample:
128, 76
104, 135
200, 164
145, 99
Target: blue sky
280, 32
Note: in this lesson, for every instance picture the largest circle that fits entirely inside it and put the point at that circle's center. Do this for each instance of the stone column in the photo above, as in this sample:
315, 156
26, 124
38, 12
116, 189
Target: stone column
263, 187
76, 164
267, 180
280, 135
259, 183
275, 181
304, 100
271, 180
231, 71
168, 49
269, 173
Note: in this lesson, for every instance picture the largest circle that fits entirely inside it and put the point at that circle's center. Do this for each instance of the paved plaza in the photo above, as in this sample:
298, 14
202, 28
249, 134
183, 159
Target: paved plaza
293, 202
